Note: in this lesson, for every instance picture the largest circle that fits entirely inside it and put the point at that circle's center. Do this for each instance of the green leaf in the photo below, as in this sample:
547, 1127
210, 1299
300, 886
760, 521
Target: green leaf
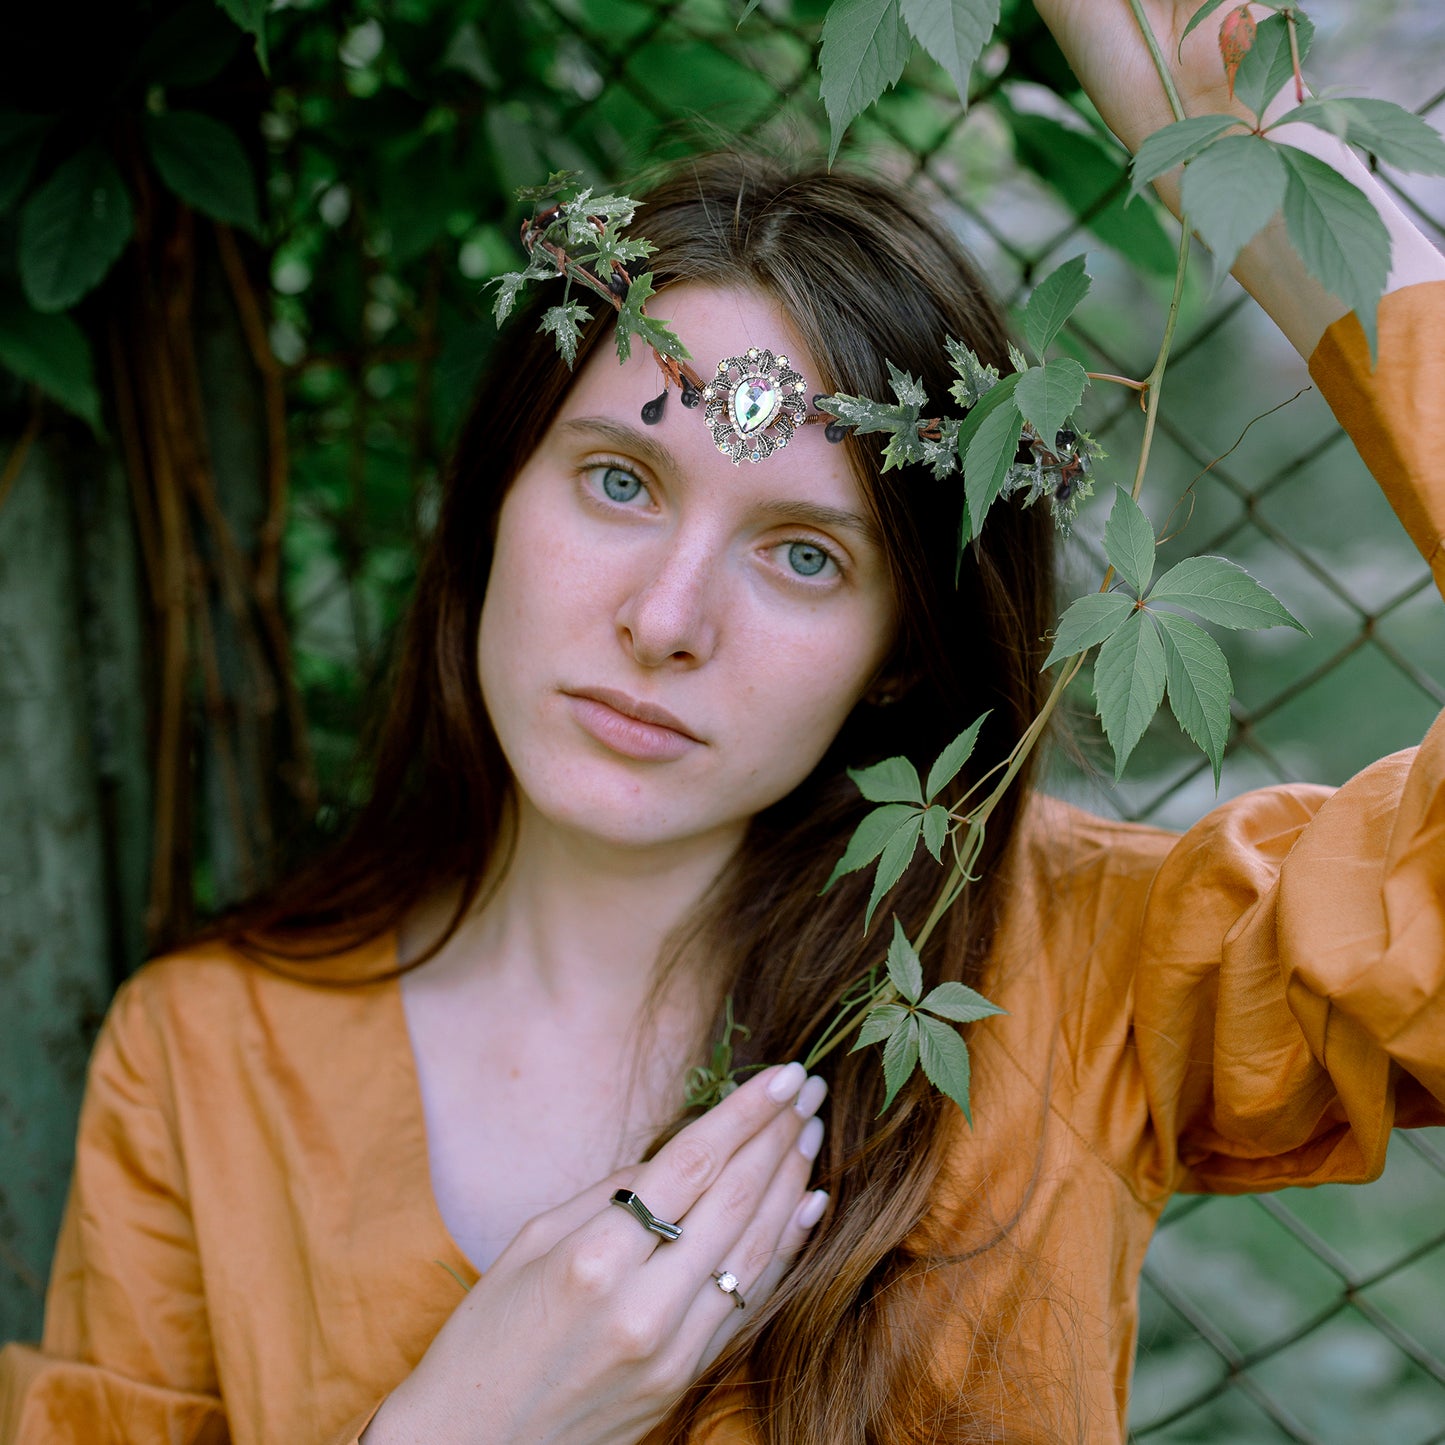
661, 337
870, 838
1087, 622
900, 1056
748, 10
1089, 176
989, 456
1129, 542
953, 32
865, 47
946, 766
509, 287
1129, 685
895, 858
905, 970
1199, 685
1174, 145
894, 780
1222, 592
1231, 191
945, 1060
565, 324
1397, 136
958, 1002
1203, 13
993, 398
865, 415
554, 188
908, 389
975, 380
204, 163
21, 137
250, 15
935, 830
880, 1023
52, 352
1053, 301
633, 321
1268, 67
1048, 394
72, 229
188, 48
1337, 232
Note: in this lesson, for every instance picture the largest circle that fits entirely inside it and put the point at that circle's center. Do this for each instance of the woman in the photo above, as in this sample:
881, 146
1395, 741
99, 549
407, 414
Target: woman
677, 658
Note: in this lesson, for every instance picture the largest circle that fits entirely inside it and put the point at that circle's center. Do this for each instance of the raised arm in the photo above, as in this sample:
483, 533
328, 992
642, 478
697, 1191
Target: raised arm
1107, 50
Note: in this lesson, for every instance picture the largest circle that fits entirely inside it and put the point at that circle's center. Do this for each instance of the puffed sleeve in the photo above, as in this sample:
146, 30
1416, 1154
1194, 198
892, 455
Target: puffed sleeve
1290, 1002
126, 1354
1290, 1005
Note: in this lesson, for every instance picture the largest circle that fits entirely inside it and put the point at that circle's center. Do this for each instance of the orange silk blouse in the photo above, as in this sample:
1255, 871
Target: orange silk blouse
249, 1249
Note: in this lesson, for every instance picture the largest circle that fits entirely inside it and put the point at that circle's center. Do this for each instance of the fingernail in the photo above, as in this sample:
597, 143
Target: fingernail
811, 1096
811, 1139
810, 1211
786, 1082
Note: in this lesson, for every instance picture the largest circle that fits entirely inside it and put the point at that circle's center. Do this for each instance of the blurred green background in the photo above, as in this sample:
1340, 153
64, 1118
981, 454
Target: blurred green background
241, 311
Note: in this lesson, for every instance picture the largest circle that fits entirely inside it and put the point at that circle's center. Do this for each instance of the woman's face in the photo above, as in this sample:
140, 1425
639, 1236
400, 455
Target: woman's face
669, 642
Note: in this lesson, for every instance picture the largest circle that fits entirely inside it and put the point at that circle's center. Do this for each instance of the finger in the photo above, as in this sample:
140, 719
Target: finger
801, 1224
690, 1163
544, 1231
756, 1292
739, 1222
761, 1255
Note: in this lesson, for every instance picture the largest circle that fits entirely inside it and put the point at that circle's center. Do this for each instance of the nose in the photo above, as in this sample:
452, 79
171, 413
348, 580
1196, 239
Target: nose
669, 618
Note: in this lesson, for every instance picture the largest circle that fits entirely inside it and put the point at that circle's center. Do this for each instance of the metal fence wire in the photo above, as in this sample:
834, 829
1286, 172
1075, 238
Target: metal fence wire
1309, 1315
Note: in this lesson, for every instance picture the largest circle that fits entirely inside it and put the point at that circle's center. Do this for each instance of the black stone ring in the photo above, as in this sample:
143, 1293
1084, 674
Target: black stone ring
645, 1217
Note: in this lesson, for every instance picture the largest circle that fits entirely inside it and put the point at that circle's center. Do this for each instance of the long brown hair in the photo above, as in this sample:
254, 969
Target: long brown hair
867, 276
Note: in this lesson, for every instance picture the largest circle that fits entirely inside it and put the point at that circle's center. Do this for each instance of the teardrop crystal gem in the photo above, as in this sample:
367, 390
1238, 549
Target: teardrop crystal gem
755, 401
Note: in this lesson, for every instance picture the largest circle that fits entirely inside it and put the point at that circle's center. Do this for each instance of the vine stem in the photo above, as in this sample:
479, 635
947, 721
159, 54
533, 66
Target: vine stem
1155, 379
1294, 55
978, 817
1157, 55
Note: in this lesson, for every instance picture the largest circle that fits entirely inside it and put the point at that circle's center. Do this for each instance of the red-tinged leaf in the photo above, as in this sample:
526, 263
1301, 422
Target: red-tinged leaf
1236, 40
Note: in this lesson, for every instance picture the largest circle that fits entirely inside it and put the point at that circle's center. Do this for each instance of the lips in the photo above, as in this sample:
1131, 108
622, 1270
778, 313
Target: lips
645, 712
625, 725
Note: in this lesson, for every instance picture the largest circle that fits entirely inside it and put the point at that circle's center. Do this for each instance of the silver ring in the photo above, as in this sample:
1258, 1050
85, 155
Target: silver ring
645, 1217
727, 1282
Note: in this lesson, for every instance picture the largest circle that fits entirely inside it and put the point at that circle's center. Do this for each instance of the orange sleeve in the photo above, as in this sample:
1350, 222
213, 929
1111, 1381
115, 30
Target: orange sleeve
1290, 1001
126, 1353
1395, 412
1290, 989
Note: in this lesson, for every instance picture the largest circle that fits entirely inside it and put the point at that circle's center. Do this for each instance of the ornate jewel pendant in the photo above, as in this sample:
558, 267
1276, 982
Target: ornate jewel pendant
754, 404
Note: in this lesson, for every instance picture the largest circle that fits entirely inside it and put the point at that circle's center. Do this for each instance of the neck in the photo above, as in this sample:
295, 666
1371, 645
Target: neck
575, 921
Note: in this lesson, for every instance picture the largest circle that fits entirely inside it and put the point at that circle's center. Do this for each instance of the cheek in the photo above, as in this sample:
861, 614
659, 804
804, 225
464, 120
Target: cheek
542, 582
810, 682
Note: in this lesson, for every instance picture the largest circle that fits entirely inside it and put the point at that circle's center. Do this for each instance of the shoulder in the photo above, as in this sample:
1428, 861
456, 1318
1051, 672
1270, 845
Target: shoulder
195, 1009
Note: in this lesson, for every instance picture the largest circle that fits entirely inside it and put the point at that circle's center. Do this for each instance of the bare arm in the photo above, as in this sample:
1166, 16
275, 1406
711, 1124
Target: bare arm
1103, 44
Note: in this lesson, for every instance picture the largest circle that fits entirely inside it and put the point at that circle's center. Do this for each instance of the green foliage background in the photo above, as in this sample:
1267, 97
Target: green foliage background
368, 170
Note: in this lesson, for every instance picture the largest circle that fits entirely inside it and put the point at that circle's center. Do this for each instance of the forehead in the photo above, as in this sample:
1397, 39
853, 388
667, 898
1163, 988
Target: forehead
712, 323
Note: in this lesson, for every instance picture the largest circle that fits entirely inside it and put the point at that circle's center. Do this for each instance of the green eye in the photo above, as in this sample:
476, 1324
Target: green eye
807, 560
620, 486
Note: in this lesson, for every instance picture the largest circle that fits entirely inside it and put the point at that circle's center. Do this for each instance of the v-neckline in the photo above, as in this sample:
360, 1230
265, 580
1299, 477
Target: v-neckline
413, 1114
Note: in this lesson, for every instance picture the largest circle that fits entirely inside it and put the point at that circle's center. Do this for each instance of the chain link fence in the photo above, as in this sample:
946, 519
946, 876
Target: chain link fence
1309, 1316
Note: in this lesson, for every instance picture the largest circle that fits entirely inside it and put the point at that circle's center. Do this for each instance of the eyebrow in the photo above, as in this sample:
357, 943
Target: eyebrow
781, 510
